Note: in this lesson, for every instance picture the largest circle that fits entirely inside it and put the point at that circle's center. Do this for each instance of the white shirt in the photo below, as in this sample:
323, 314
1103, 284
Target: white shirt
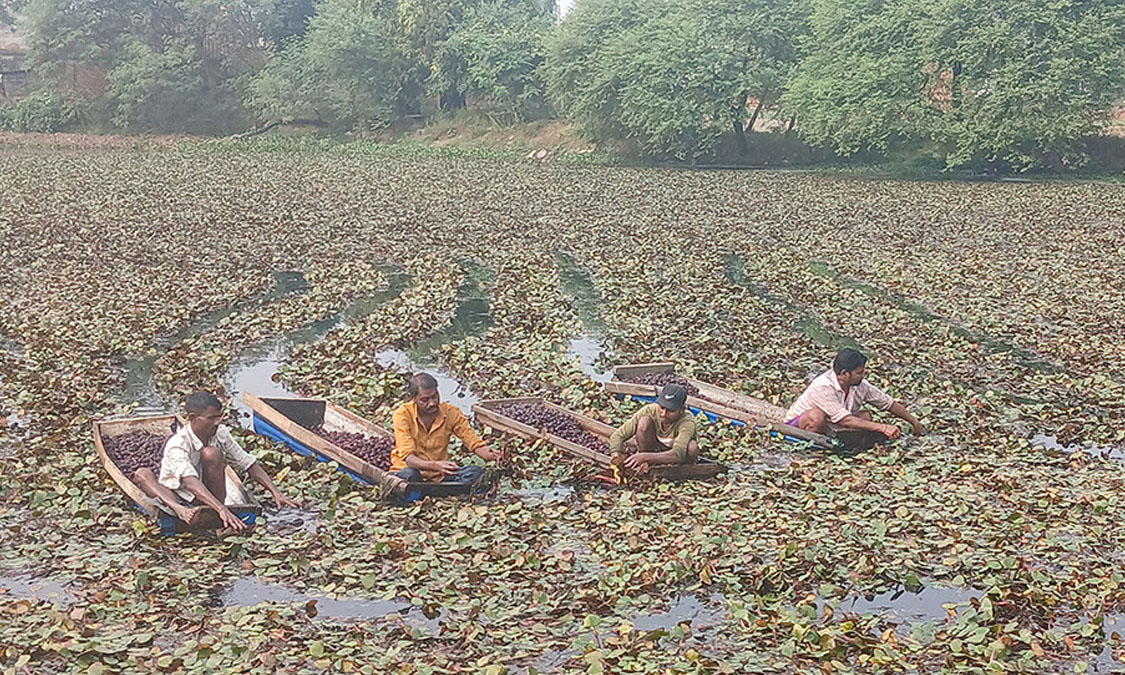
826, 393
182, 458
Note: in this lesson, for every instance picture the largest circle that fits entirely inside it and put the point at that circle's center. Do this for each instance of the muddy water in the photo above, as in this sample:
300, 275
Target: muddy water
904, 608
251, 591
577, 284
993, 344
1105, 452
701, 614
290, 521
590, 352
26, 586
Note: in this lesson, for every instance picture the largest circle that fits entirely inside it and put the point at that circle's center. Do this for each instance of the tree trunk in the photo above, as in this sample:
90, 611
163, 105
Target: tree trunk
451, 99
736, 122
954, 89
754, 117
792, 121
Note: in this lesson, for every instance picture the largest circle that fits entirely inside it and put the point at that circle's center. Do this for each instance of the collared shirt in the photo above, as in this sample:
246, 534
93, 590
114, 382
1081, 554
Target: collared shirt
675, 436
413, 438
826, 393
182, 458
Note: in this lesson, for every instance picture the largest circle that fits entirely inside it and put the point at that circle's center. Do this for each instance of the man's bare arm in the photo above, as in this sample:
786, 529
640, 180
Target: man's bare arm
900, 411
856, 422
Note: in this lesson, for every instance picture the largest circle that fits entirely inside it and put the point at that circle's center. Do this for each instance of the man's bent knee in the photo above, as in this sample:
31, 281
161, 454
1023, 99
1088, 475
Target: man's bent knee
212, 455
469, 474
692, 453
814, 420
645, 424
410, 475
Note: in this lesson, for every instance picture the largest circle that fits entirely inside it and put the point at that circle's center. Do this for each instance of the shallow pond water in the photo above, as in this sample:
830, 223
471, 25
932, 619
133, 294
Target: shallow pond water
290, 521
140, 387
251, 591
255, 368
589, 351
577, 283
927, 604
27, 586
451, 389
1051, 442
806, 322
701, 614
471, 318
542, 494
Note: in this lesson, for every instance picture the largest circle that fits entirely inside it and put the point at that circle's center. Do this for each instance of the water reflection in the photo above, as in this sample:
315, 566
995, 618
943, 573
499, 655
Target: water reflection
251, 591
1105, 452
28, 587
590, 353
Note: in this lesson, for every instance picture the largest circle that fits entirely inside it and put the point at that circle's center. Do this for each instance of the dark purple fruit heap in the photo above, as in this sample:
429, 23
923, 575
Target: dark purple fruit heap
375, 450
659, 380
563, 426
134, 450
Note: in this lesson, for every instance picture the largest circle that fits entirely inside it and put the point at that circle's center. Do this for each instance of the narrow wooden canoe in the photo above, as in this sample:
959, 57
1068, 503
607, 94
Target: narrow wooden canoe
242, 503
487, 413
291, 420
716, 402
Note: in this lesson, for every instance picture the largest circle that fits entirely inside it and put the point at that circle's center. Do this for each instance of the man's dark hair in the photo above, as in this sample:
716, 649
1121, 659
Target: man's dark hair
848, 360
420, 382
201, 401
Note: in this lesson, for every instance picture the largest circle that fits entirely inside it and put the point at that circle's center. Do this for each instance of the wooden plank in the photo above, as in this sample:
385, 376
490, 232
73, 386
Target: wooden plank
637, 369
720, 402
487, 415
152, 507
353, 423
343, 419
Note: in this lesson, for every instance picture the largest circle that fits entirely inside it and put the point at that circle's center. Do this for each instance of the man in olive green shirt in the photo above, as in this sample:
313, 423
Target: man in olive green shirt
665, 432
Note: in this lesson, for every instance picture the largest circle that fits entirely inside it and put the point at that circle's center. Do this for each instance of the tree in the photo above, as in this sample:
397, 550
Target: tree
497, 53
158, 89
132, 43
672, 75
970, 82
580, 82
350, 69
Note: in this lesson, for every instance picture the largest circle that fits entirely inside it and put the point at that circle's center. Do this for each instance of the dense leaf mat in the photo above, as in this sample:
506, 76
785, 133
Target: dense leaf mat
996, 310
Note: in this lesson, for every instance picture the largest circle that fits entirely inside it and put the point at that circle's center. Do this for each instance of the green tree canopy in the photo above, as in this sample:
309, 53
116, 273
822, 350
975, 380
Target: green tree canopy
496, 54
971, 82
672, 75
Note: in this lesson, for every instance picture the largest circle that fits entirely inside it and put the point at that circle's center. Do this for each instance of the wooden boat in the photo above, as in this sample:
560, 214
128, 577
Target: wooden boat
242, 503
291, 420
487, 413
719, 403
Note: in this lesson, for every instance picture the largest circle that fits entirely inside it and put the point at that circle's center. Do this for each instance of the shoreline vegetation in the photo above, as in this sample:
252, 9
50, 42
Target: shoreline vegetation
473, 136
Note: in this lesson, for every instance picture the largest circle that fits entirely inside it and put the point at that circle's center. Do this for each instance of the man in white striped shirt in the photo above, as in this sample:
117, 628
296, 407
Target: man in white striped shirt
835, 401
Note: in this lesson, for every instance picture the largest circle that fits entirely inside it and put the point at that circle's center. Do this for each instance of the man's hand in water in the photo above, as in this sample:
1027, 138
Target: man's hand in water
637, 462
891, 431
231, 521
487, 453
281, 500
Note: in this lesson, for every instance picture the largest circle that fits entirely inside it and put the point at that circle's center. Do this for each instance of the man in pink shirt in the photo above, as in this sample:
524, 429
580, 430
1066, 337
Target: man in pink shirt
835, 400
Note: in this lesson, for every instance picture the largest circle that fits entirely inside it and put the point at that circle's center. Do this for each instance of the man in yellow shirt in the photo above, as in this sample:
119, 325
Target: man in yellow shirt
423, 426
